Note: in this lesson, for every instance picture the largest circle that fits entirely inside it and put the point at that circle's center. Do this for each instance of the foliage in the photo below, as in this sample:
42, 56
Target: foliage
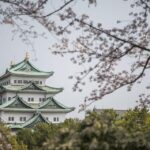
26, 136
103, 132
8, 140
34, 138
136, 120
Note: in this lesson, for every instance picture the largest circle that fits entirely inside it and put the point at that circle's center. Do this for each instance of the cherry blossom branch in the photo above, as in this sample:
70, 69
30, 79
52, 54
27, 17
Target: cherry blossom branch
113, 36
57, 10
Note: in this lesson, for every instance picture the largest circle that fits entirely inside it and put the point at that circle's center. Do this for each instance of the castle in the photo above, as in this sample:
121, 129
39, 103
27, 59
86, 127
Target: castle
25, 99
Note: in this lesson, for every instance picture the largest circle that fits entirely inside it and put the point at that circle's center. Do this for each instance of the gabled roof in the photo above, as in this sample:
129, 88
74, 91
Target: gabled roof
25, 68
16, 102
33, 121
31, 87
36, 118
51, 103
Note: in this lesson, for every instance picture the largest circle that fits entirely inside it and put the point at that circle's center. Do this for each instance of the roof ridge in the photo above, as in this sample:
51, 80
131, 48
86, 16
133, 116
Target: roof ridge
26, 67
16, 64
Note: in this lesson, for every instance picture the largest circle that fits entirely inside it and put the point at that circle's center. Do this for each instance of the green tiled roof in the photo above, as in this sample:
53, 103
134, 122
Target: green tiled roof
34, 120
25, 68
31, 87
16, 102
50, 105
37, 118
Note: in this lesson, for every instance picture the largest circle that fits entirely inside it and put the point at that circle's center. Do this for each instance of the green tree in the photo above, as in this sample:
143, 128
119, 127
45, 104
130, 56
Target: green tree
102, 132
27, 137
35, 138
8, 140
137, 119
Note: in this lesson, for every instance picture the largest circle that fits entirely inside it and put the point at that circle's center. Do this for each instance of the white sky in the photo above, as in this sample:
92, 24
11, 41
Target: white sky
107, 12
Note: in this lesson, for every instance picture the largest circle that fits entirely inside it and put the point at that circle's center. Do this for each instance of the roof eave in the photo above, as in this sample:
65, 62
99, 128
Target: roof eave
34, 110
5, 75
30, 75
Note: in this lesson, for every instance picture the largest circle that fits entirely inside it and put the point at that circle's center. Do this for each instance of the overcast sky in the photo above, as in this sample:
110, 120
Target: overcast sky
107, 12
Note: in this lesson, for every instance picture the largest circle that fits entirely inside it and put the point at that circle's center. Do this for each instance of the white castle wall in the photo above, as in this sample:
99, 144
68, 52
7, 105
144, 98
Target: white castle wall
13, 78
49, 116
25, 96
5, 115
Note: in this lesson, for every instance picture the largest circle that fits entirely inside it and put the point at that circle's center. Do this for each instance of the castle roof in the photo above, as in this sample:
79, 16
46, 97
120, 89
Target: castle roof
15, 102
50, 105
25, 68
33, 121
31, 87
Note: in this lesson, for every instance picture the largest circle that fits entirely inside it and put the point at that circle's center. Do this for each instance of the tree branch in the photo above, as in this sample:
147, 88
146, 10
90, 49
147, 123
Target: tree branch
113, 36
141, 74
49, 14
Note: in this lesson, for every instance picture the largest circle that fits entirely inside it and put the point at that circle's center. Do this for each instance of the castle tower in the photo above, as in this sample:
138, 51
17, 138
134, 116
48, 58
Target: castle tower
26, 100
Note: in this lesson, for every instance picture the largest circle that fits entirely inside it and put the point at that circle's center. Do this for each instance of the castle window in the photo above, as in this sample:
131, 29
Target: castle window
40, 82
54, 119
22, 118
9, 98
15, 81
32, 99
40, 99
46, 118
57, 119
20, 81
10, 118
29, 99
